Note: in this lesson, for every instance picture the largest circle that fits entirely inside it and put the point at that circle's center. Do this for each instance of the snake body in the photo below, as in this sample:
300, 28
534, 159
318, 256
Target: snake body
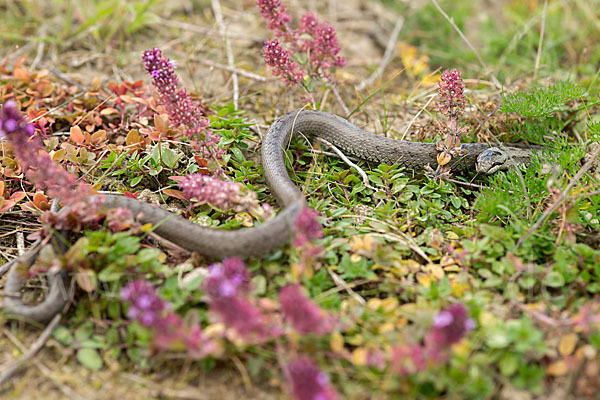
274, 233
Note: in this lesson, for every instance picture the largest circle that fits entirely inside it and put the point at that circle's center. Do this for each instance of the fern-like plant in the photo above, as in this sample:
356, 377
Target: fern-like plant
543, 102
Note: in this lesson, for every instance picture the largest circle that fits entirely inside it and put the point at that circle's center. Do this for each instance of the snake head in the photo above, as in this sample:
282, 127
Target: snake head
492, 160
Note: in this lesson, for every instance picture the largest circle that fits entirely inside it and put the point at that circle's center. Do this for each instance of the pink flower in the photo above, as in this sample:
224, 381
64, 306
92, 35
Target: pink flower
325, 47
146, 306
119, 219
304, 315
228, 279
170, 333
207, 189
222, 194
451, 101
408, 359
47, 175
279, 59
181, 108
274, 13
227, 287
309, 24
308, 382
248, 321
307, 227
317, 40
451, 325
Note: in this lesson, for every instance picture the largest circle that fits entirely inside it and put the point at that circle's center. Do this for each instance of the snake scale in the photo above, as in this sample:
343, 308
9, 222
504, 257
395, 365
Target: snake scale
275, 233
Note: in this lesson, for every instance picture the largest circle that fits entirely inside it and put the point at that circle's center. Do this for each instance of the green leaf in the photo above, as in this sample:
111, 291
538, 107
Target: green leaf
352, 270
110, 274
133, 182
508, 364
498, 339
89, 358
114, 309
63, 335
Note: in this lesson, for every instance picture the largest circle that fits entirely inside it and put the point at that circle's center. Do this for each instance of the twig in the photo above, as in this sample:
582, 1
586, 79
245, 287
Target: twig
238, 71
474, 185
330, 154
343, 284
339, 99
161, 391
216, 6
58, 107
539, 50
20, 243
70, 81
410, 124
243, 372
12, 367
387, 55
40, 52
400, 237
582, 195
561, 198
345, 159
43, 368
464, 38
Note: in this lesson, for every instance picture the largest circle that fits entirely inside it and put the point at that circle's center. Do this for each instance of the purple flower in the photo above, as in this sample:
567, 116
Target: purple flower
227, 286
146, 306
227, 279
222, 194
43, 172
308, 382
304, 315
170, 333
451, 325
181, 108
207, 189
279, 59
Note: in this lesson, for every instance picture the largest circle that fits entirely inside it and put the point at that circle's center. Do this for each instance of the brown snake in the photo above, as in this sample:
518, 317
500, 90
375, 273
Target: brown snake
275, 233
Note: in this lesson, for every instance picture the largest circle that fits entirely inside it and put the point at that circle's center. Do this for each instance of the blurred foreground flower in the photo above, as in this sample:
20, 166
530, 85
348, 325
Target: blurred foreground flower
308, 382
170, 333
227, 286
304, 315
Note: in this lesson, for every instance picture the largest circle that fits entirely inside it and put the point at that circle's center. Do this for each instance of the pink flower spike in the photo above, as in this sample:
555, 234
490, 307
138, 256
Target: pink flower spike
182, 110
308, 382
307, 227
274, 13
279, 60
42, 171
227, 287
451, 101
304, 315
451, 325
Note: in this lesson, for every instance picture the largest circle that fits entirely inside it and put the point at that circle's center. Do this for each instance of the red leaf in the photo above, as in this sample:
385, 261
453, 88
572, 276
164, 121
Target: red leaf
178, 194
131, 195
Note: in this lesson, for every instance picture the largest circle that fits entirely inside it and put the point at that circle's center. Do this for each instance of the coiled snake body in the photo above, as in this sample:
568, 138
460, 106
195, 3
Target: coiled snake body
275, 233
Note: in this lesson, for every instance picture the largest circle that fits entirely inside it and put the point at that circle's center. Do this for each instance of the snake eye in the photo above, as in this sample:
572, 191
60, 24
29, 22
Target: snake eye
490, 161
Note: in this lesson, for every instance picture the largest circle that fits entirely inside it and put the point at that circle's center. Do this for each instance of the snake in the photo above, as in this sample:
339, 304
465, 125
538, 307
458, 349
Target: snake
278, 231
